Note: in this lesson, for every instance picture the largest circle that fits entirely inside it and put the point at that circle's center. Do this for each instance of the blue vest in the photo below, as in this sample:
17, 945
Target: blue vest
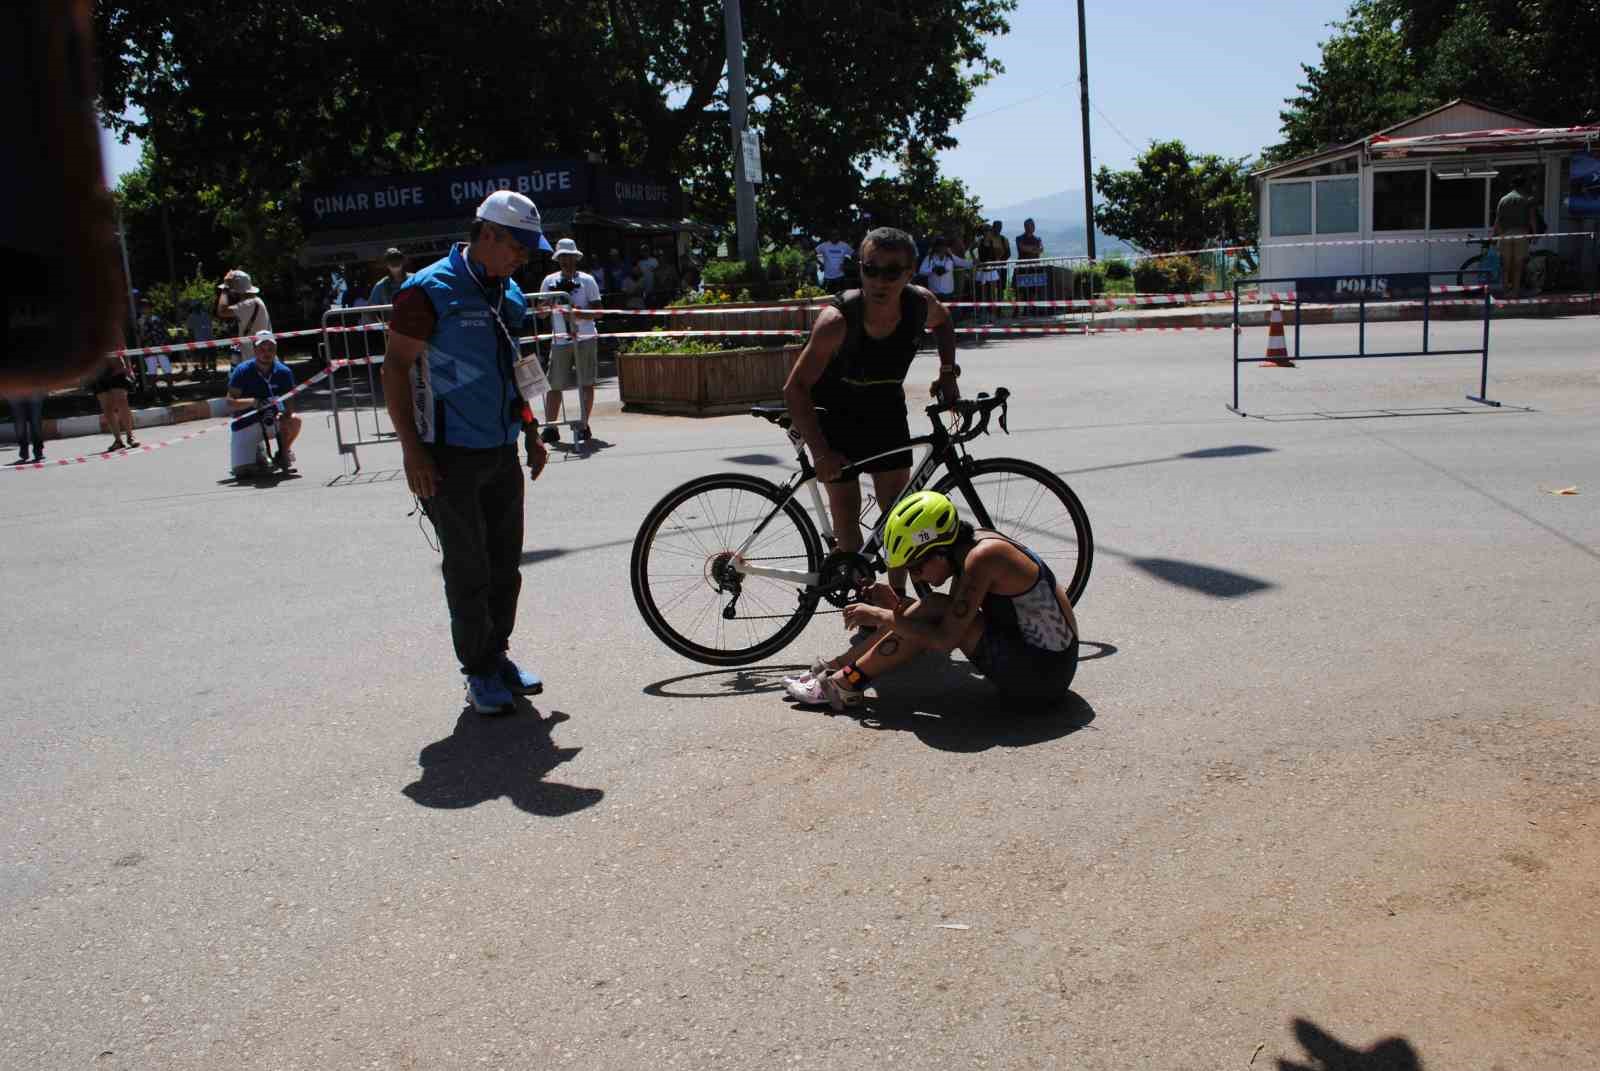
464, 390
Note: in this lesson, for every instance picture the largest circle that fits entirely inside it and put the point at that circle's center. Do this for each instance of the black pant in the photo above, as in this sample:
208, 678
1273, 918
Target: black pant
477, 514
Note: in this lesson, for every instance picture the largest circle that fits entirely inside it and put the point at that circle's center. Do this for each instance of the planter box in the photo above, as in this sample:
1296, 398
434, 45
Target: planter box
703, 384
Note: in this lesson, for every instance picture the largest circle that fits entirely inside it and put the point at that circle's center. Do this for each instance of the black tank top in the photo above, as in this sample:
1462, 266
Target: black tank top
864, 365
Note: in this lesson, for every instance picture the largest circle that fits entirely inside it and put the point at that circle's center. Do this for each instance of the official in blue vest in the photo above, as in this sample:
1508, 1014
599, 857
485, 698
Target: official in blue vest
450, 387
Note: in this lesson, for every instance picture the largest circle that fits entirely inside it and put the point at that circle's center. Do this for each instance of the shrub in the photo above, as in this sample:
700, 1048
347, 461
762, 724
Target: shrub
659, 342
726, 273
789, 264
1153, 277
807, 291
1117, 268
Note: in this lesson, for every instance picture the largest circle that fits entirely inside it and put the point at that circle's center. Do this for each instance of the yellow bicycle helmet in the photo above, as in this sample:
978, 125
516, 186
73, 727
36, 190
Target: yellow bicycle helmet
918, 524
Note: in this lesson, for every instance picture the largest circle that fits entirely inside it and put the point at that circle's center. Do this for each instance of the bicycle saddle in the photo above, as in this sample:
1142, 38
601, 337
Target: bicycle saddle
777, 414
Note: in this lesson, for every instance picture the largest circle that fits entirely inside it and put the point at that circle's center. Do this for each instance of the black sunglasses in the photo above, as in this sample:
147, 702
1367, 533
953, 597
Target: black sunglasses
884, 271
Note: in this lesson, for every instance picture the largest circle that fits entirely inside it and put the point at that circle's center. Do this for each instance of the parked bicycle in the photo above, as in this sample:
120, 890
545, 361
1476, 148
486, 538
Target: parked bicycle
1541, 273
729, 568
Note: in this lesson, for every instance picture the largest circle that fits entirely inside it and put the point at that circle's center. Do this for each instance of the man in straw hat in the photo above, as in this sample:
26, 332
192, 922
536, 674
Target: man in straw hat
240, 300
575, 353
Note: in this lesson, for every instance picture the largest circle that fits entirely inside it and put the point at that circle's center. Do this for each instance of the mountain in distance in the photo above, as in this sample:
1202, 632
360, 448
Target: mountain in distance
1058, 220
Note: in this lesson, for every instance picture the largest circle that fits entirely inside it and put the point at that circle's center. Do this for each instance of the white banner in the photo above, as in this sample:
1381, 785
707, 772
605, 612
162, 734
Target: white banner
751, 142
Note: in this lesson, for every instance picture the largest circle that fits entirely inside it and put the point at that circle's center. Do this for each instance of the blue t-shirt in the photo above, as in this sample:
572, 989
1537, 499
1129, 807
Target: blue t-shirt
246, 378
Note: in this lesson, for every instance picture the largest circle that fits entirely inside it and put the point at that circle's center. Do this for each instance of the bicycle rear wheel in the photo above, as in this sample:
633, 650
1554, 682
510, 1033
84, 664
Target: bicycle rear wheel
684, 583
1032, 505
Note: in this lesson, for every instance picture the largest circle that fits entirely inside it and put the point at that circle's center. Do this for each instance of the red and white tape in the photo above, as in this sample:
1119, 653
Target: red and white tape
149, 448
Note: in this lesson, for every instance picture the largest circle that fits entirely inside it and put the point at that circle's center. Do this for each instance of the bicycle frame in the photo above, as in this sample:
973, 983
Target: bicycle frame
942, 449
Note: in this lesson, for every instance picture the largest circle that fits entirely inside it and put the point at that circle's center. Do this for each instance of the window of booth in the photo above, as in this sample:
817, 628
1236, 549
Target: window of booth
1458, 204
1500, 185
1338, 206
1400, 200
1290, 207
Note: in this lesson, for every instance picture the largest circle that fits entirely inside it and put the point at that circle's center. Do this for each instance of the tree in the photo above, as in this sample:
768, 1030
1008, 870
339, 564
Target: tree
1390, 59
1172, 201
918, 200
236, 130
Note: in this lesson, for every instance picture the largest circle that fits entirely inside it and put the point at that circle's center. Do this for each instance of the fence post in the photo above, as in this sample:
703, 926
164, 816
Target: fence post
1361, 316
1427, 309
1297, 321
1235, 405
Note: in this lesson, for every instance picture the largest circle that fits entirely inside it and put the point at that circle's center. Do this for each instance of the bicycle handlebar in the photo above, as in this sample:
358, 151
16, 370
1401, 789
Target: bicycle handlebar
974, 413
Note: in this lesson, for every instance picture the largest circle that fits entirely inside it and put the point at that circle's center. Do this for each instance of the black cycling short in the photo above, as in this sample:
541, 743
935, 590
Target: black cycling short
111, 381
1024, 672
869, 422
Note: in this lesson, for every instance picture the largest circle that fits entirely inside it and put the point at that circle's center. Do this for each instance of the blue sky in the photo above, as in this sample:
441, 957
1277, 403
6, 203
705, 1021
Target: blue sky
1213, 75
1157, 70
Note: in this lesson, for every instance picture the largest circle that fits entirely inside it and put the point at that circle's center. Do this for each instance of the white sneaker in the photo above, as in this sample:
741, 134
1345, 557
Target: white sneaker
822, 691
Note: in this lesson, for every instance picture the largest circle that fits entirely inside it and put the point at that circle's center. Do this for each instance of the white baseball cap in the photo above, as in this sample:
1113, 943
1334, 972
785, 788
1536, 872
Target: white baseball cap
568, 246
264, 336
517, 214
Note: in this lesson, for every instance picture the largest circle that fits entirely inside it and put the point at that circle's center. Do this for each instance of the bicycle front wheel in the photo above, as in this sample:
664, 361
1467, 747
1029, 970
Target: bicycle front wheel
1469, 272
684, 582
1032, 505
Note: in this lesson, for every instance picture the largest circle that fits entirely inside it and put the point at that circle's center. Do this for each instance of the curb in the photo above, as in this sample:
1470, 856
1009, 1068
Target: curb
159, 416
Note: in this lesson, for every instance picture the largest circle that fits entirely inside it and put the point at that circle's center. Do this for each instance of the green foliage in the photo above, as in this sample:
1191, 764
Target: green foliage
670, 344
788, 264
726, 273
1117, 268
834, 92
1153, 277
1388, 60
808, 291
171, 300
919, 201
1172, 200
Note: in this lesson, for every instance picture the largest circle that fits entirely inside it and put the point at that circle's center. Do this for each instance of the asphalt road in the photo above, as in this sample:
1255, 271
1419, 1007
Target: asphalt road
1330, 776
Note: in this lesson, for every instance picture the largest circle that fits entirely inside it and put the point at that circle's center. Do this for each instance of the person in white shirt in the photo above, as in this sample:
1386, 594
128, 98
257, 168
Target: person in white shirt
576, 349
648, 263
832, 254
940, 267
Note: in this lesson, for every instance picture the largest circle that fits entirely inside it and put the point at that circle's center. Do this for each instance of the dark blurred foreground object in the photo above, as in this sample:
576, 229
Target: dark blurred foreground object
60, 282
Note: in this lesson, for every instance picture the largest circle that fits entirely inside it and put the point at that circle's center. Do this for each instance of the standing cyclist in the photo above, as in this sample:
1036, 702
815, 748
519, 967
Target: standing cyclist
853, 368
450, 387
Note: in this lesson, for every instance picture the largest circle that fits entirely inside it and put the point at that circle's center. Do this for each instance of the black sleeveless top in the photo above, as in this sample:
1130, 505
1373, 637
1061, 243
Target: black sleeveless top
867, 368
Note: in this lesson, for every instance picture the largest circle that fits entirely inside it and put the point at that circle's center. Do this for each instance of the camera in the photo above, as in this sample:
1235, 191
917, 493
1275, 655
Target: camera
566, 286
939, 269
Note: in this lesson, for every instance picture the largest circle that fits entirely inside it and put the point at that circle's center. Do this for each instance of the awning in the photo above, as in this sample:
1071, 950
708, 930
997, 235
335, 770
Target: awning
432, 239
1486, 140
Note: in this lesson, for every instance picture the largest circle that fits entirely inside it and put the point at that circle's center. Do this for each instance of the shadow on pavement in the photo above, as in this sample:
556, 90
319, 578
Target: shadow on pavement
755, 459
1238, 450
1324, 1052
487, 757
947, 706
725, 683
1206, 579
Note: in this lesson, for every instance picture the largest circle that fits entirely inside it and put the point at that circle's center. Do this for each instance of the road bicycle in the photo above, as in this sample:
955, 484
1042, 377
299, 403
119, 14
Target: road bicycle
1542, 271
729, 568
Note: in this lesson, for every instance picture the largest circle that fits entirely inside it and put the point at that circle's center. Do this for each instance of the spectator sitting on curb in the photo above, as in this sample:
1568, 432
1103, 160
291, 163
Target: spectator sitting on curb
260, 385
239, 299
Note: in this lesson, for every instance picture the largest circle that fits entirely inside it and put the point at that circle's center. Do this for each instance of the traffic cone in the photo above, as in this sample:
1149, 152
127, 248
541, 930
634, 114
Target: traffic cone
1277, 348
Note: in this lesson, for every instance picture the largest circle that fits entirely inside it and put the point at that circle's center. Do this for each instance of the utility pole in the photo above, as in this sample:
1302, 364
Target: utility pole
744, 192
1088, 177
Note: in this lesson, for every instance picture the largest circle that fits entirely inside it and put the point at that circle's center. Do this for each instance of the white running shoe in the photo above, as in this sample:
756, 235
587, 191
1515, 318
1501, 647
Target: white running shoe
822, 691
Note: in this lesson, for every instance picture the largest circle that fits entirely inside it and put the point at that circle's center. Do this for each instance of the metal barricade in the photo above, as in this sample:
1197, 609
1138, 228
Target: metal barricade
353, 343
1361, 286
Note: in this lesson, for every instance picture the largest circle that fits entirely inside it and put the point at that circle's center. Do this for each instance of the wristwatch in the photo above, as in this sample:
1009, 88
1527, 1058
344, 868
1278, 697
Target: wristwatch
950, 369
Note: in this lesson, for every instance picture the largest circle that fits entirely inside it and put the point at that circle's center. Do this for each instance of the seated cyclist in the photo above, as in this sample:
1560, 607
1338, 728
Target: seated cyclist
1007, 612
258, 385
853, 368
